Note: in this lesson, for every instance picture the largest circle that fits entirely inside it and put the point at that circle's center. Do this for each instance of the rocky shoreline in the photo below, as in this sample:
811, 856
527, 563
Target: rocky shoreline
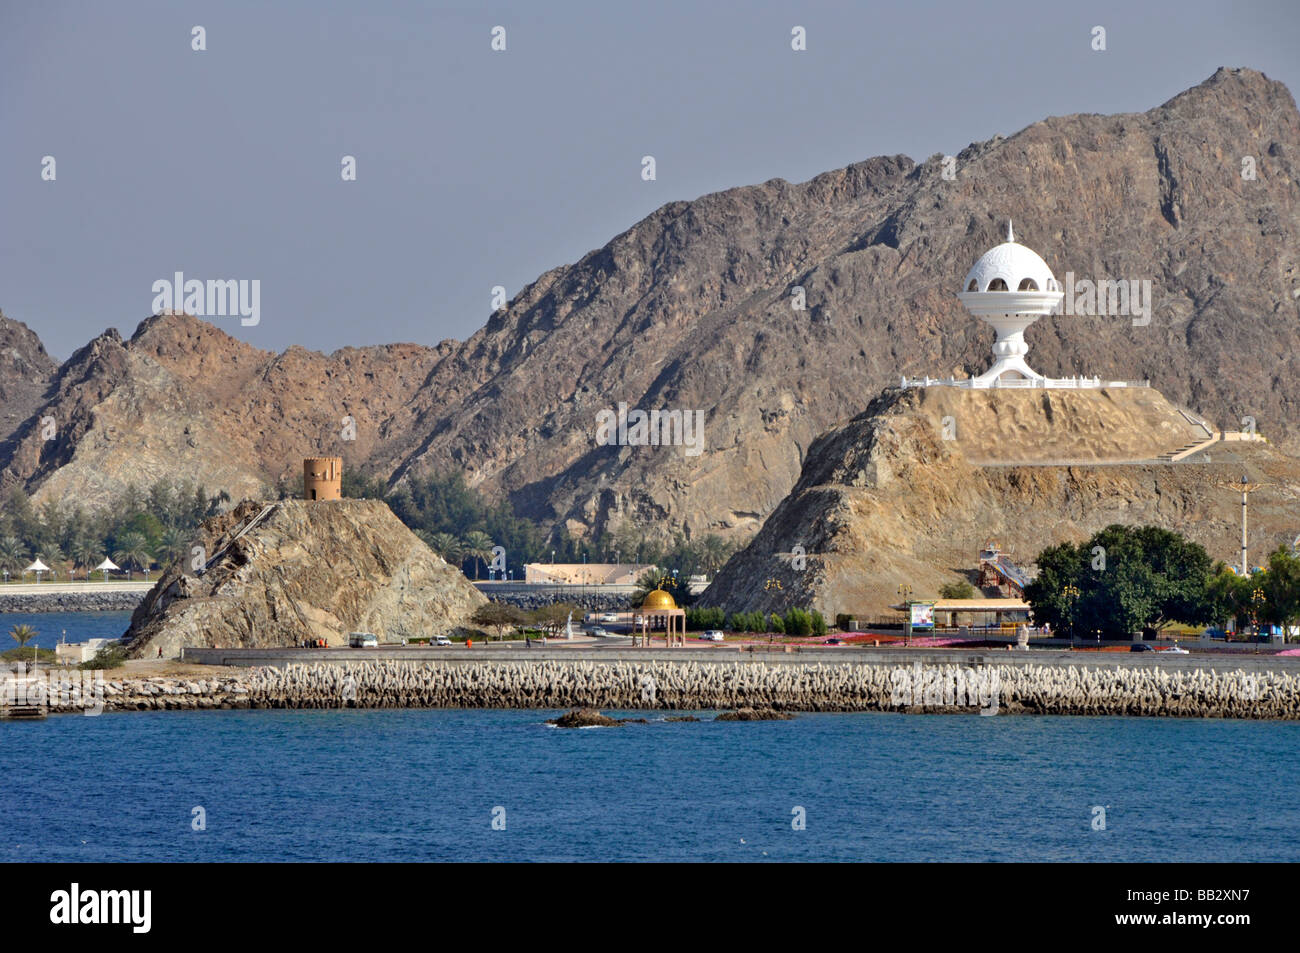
111, 601
693, 686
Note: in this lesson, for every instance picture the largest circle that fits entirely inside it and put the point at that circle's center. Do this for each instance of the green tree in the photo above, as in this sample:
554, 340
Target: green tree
477, 546
85, 552
499, 616
1282, 587
132, 549
448, 547
22, 634
554, 617
1126, 578
175, 544
13, 554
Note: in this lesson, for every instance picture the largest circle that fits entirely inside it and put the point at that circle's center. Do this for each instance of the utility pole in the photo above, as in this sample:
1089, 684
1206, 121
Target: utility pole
1245, 488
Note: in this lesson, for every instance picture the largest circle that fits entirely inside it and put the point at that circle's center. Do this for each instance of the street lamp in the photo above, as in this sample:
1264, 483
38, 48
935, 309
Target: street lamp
1256, 598
1071, 594
905, 593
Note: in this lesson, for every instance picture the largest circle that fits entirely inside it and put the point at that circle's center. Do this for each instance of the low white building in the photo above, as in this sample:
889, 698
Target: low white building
74, 653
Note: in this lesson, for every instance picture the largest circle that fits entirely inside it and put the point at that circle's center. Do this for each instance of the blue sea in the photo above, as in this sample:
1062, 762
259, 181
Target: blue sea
428, 785
70, 626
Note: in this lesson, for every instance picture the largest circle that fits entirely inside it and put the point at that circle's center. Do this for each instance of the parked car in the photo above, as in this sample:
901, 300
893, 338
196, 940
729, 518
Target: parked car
1139, 647
441, 640
363, 640
1174, 650
609, 617
713, 635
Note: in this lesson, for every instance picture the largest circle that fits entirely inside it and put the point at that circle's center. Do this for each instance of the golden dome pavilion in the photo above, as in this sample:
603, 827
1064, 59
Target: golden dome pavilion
658, 600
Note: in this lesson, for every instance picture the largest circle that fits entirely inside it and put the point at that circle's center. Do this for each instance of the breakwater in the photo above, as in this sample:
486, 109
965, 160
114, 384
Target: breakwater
110, 601
693, 685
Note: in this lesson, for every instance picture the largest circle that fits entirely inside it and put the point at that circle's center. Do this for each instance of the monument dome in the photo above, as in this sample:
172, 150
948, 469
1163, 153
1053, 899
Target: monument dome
1010, 266
659, 599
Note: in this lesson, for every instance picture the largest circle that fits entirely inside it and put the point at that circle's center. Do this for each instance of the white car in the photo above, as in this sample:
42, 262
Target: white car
442, 640
1174, 650
713, 635
609, 617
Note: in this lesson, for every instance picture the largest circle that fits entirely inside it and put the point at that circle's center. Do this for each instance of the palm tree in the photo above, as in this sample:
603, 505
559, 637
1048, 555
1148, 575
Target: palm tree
447, 546
477, 545
12, 553
133, 548
22, 634
51, 555
85, 552
175, 544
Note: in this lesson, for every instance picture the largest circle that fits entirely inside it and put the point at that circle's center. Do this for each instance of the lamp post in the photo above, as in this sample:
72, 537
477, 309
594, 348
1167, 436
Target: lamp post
1256, 598
1245, 488
1071, 594
905, 592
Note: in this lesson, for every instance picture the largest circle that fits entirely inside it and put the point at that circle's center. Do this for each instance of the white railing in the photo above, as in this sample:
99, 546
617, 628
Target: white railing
1045, 383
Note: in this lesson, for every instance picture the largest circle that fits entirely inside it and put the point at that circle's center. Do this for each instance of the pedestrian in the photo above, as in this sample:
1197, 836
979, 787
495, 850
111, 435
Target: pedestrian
160, 651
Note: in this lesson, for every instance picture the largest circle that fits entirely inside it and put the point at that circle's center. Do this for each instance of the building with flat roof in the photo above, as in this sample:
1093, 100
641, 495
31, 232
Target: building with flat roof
584, 574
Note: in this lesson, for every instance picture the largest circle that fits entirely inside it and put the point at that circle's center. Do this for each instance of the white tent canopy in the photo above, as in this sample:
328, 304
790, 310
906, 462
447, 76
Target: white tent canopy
37, 566
107, 564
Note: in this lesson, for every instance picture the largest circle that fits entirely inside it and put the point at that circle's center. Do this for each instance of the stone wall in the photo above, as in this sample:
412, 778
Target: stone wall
70, 601
695, 685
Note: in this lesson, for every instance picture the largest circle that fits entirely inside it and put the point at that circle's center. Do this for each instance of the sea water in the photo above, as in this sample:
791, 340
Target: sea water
414, 785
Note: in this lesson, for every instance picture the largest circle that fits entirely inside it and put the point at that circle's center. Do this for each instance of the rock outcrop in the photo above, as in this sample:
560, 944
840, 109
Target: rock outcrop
691, 308
912, 489
25, 372
303, 570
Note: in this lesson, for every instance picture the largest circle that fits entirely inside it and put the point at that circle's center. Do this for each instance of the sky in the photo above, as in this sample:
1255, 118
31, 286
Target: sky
478, 168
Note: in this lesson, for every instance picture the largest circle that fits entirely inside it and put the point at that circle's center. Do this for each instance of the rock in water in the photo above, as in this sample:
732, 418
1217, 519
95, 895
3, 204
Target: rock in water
584, 718
754, 714
305, 570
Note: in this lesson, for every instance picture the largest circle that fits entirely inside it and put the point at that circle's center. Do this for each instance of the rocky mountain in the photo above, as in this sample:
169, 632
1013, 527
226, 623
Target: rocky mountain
912, 489
304, 570
25, 372
693, 309
182, 399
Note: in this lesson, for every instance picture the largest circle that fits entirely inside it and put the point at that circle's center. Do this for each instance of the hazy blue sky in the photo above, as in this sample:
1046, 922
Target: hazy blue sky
478, 168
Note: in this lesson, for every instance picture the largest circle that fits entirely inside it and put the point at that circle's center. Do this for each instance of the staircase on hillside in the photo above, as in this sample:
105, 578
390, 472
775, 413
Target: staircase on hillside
234, 539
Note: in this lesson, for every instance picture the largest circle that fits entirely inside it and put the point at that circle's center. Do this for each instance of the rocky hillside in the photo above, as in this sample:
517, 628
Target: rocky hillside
306, 570
182, 399
692, 308
25, 372
913, 488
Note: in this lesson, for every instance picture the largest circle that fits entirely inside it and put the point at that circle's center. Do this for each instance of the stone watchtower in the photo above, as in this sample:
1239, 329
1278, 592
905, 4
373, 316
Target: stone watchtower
322, 478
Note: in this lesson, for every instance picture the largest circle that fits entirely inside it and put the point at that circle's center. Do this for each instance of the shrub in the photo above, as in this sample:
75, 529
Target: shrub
818, 624
798, 622
698, 619
776, 624
110, 656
